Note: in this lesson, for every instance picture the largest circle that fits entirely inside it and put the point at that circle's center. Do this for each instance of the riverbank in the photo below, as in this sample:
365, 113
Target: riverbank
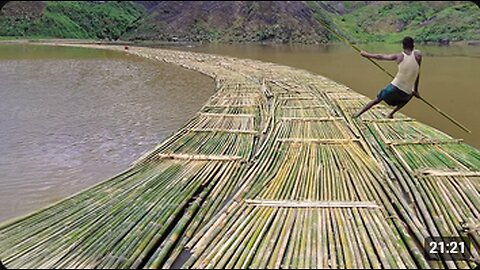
148, 43
273, 171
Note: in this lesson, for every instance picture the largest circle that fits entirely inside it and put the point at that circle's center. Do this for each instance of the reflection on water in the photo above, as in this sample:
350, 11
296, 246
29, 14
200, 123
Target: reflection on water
449, 76
72, 117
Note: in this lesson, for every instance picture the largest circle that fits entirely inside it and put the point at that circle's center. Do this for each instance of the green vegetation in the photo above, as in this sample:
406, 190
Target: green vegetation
360, 21
425, 21
460, 22
75, 19
13, 26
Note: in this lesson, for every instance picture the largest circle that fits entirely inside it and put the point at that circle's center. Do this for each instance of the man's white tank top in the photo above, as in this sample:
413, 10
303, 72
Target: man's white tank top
407, 73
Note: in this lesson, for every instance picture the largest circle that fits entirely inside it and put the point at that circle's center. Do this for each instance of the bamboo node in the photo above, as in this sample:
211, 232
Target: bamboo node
471, 227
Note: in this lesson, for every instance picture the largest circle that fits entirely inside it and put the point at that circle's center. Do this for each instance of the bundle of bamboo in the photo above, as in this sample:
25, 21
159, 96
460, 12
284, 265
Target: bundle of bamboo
442, 177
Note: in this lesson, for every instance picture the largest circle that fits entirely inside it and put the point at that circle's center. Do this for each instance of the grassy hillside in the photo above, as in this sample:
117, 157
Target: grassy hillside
426, 21
69, 19
243, 21
361, 21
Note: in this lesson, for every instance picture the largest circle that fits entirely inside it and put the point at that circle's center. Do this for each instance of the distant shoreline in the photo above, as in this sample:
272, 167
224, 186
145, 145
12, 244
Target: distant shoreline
14, 40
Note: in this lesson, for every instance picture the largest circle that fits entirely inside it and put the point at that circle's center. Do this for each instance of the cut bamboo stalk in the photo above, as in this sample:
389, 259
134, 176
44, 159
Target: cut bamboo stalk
471, 227
237, 97
292, 241
232, 106
235, 256
264, 253
443, 173
278, 256
256, 239
228, 115
161, 255
314, 204
387, 120
240, 131
320, 119
345, 97
304, 107
297, 98
200, 157
426, 141
319, 141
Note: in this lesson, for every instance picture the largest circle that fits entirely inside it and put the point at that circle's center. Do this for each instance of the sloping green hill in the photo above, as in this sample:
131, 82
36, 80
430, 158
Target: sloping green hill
69, 19
427, 21
362, 21
243, 21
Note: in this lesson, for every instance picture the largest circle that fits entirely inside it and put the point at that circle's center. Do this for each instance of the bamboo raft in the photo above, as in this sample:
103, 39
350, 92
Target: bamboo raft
272, 173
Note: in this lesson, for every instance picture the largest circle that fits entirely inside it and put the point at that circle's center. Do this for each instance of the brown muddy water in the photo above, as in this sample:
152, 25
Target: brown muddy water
72, 117
450, 76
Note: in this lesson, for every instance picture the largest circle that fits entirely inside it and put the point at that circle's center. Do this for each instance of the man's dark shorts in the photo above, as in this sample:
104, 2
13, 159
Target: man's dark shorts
393, 96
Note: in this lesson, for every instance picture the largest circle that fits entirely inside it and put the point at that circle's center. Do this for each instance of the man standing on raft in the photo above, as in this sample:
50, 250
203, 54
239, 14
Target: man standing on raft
405, 84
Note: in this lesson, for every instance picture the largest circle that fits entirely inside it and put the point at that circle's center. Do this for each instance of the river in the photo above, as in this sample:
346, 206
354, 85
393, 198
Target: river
72, 117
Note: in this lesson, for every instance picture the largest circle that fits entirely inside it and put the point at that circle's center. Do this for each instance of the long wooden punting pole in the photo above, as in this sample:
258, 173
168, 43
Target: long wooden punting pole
346, 41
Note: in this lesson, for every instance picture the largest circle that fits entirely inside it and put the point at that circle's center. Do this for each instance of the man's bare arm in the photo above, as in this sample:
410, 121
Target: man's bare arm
415, 90
387, 57
418, 57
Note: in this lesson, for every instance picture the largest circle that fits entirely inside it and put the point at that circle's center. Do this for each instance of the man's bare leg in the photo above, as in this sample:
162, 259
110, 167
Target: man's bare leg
396, 110
367, 107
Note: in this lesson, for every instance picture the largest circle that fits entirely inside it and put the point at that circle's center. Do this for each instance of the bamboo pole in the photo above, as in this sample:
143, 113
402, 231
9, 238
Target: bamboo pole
313, 204
345, 40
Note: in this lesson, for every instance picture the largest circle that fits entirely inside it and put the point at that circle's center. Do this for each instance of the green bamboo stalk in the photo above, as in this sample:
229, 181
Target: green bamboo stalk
161, 254
279, 253
257, 238
220, 193
265, 251
235, 254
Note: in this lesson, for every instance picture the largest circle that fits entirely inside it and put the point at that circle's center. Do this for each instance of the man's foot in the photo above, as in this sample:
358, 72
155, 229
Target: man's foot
355, 115
390, 116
